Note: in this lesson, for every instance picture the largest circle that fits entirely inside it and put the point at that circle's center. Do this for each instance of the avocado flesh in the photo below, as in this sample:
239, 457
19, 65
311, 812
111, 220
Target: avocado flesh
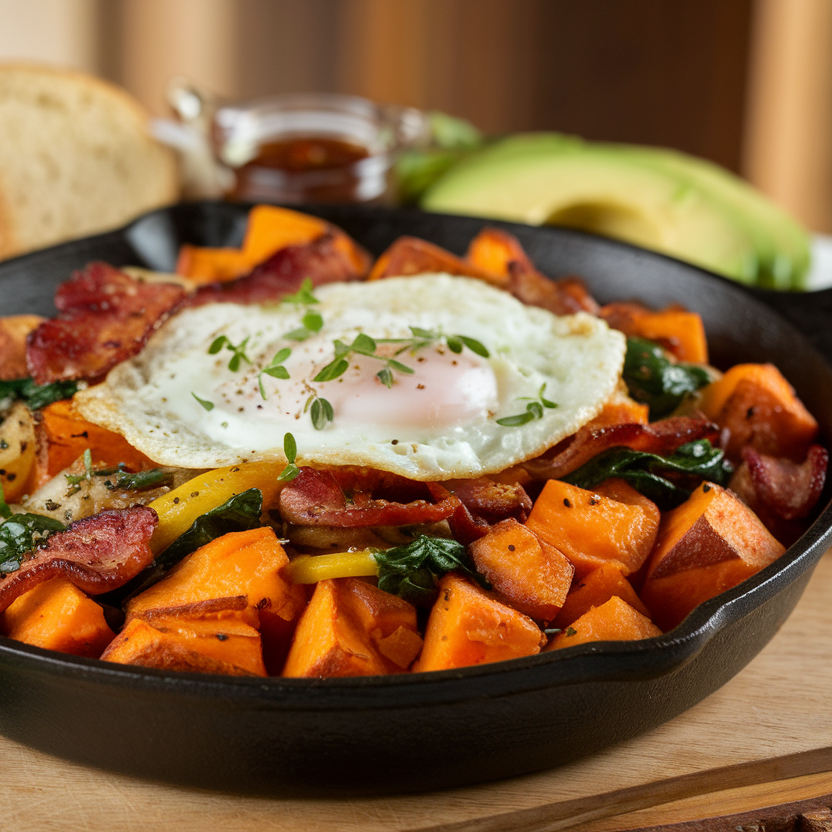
656, 199
783, 245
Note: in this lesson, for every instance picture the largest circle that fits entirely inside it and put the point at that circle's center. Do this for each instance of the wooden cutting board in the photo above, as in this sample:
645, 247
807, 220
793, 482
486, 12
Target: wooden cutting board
763, 739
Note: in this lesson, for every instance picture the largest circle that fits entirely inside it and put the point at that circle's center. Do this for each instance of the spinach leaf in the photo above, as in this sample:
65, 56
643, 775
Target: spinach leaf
117, 478
412, 571
239, 513
666, 480
37, 396
21, 534
653, 379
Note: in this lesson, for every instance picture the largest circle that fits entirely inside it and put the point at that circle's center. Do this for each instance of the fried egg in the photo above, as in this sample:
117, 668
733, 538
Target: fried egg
432, 377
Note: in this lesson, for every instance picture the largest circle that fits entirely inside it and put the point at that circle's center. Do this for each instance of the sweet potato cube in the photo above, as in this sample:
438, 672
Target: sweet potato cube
494, 250
409, 256
208, 265
595, 589
56, 615
532, 575
65, 435
680, 332
352, 628
14, 330
754, 405
707, 545
469, 626
614, 620
611, 522
621, 410
215, 644
239, 563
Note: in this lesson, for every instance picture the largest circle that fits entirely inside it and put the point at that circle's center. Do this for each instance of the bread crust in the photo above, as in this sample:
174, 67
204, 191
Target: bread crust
77, 157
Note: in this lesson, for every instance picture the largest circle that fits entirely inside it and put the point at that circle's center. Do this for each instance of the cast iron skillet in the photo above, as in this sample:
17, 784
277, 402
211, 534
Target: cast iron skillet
434, 730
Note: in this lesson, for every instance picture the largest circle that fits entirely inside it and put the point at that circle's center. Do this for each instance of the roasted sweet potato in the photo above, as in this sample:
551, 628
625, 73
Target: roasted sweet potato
614, 620
18, 471
494, 250
469, 626
707, 545
239, 563
754, 405
595, 589
532, 575
13, 332
409, 256
611, 522
56, 615
64, 435
269, 229
621, 410
676, 329
222, 642
352, 628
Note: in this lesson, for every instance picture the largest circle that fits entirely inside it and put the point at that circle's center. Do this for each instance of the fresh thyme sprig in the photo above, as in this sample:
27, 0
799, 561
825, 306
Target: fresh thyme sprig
362, 344
290, 448
274, 368
425, 337
320, 410
303, 296
239, 351
534, 410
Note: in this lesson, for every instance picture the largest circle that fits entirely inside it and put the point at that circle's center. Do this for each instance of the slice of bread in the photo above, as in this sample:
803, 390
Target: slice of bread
76, 158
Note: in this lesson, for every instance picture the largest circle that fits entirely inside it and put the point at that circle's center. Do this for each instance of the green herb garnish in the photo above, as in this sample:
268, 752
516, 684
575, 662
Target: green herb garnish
412, 571
209, 406
666, 480
311, 323
239, 351
21, 534
320, 410
534, 410
654, 379
303, 296
37, 396
275, 368
290, 448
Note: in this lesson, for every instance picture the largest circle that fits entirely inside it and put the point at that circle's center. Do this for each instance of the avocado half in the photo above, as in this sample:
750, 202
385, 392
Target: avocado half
659, 199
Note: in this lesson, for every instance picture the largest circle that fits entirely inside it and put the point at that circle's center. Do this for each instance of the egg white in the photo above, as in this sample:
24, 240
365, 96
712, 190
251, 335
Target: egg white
185, 407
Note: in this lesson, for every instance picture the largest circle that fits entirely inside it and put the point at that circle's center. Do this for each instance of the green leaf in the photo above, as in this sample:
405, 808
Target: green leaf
364, 345
5, 511
21, 534
412, 571
454, 344
37, 396
652, 378
474, 345
303, 296
399, 367
290, 447
322, 413
385, 376
217, 344
313, 321
204, 402
333, 370
289, 473
667, 480
516, 421
276, 372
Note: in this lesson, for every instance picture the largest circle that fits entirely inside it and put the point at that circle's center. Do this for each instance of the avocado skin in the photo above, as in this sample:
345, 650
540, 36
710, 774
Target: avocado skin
669, 201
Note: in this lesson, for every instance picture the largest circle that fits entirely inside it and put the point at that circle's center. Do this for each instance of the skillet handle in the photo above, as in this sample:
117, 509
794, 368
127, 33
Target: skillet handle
810, 312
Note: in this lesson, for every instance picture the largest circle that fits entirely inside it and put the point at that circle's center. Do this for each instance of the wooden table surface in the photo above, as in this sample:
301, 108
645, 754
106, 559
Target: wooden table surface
763, 740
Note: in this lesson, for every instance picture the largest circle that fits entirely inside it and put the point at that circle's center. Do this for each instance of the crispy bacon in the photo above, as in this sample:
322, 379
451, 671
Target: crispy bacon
283, 273
97, 554
773, 485
662, 437
565, 296
104, 318
348, 499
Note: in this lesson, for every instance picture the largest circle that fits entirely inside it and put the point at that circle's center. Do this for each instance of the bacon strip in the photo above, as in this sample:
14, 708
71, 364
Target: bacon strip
97, 554
323, 498
786, 489
663, 438
321, 261
105, 317
565, 296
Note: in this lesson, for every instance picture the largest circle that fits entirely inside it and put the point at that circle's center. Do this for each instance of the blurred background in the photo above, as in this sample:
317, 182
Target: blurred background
745, 83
